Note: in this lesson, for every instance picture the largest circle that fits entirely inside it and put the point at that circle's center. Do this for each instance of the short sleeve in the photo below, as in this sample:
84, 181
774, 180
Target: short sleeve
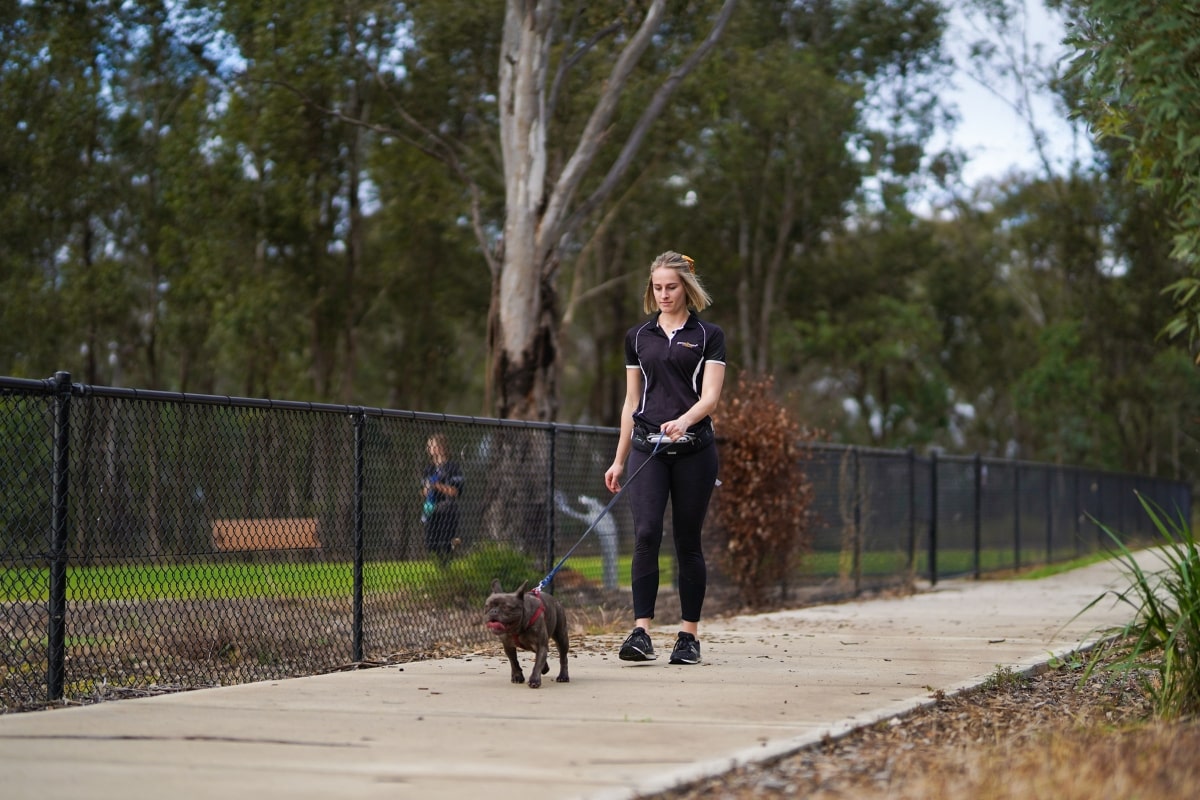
714, 345
631, 356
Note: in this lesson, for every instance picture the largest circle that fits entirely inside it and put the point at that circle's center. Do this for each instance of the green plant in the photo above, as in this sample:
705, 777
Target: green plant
1004, 678
1070, 661
467, 581
1164, 636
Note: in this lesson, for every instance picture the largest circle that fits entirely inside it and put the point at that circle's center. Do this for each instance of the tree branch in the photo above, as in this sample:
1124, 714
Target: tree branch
429, 144
566, 64
653, 110
592, 136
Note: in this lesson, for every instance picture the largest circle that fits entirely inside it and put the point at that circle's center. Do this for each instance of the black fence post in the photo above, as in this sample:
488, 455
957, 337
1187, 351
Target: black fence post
1078, 512
1016, 515
56, 633
1050, 476
933, 515
1186, 514
978, 521
912, 509
1126, 525
359, 421
857, 490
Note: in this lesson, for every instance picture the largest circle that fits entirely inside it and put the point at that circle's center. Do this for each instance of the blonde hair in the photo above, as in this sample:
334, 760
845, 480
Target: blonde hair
697, 296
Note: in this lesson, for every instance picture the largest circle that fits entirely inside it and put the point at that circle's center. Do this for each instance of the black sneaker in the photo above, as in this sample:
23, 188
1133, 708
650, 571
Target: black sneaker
637, 647
687, 649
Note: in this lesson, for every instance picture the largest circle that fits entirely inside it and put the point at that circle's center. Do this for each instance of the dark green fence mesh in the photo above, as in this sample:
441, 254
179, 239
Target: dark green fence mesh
152, 539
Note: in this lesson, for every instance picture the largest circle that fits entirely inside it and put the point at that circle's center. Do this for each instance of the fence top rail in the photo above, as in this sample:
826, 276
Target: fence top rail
865, 450
26, 385
57, 384
1026, 464
60, 383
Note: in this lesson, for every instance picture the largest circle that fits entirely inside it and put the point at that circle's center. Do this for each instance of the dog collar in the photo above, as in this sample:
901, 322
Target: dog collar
541, 609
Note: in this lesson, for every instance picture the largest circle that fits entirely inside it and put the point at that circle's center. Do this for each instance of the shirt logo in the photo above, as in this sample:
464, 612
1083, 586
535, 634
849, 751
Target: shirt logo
689, 345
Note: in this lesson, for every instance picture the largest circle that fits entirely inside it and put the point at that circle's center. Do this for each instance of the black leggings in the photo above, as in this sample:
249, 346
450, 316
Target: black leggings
440, 530
688, 481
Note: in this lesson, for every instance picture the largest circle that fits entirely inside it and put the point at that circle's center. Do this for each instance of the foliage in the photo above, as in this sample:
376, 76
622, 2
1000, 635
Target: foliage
762, 511
1054, 392
1003, 679
1165, 631
237, 198
1137, 64
831, 101
468, 580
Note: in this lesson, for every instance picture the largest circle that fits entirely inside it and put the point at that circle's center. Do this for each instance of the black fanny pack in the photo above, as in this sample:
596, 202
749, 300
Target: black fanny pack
647, 440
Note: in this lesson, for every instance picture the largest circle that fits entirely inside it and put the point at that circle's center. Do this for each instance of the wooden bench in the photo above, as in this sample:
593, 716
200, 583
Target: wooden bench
265, 533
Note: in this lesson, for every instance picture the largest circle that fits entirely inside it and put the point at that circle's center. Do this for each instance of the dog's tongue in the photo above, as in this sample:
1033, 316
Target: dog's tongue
495, 626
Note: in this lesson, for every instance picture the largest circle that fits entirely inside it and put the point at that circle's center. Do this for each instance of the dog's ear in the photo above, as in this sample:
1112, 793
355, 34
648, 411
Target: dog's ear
496, 589
521, 588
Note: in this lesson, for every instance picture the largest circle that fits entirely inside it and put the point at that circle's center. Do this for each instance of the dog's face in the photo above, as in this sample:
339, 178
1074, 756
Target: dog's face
504, 611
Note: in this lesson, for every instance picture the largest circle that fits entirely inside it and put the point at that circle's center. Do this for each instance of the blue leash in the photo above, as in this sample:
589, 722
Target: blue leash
550, 575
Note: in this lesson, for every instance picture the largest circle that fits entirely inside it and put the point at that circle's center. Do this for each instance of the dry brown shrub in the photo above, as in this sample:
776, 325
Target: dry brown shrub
761, 515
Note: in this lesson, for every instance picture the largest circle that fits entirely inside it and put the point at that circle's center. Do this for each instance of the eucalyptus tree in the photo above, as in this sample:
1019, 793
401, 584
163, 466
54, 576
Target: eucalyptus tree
1081, 254
808, 107
32, 195
425, 295
159, 106
57, 66
529, 101
1136, 66
1087, 260
295, 95
871, 363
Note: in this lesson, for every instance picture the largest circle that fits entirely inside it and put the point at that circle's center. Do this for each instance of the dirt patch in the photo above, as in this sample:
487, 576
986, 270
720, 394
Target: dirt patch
1049, 735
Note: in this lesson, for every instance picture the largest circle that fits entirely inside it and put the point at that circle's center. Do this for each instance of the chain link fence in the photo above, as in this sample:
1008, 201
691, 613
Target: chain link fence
157, 539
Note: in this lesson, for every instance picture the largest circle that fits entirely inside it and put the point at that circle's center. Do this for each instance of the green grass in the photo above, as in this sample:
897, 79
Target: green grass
238, 580
215, 581
592, 567
1050, 570
235, 580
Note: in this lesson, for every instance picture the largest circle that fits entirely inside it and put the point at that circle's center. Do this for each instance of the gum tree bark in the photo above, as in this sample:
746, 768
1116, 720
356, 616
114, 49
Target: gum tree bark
543, 211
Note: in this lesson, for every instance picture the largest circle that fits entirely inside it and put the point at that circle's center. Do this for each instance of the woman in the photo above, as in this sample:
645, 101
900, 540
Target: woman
674, 371
441, 486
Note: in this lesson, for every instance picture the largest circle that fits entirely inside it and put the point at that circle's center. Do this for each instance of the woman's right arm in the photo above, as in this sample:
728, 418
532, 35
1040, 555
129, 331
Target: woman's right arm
633, 393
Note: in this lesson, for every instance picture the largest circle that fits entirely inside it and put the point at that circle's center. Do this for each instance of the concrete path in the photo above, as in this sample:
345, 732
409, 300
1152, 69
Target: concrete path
768, 685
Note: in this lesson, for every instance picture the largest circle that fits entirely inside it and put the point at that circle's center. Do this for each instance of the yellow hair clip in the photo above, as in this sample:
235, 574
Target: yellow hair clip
691, 262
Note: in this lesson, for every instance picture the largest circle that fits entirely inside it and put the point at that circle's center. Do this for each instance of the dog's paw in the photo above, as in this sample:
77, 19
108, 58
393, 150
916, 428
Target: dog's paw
563, 679
535, 682
518, 677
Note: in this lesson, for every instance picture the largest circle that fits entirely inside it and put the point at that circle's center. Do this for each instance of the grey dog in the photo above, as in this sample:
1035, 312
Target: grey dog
528, 620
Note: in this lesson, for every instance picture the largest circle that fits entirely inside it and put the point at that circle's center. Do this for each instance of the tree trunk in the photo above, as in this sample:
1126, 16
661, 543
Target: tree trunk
522, 344
542, 211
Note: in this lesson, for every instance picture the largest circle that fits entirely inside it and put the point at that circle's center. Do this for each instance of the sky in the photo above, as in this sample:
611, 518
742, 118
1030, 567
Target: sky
990, 131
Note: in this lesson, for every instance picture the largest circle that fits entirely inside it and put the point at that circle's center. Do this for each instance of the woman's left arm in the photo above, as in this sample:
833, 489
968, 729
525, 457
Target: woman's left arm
710, 396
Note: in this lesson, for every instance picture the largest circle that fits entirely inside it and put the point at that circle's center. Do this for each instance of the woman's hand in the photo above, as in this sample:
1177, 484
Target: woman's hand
612, 478
673, 429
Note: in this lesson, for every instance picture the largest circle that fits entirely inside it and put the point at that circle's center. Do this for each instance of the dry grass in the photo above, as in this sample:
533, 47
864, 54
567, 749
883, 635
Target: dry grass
1042, 737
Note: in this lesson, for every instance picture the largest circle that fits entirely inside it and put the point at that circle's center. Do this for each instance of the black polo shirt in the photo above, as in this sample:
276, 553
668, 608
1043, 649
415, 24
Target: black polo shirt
672, 368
